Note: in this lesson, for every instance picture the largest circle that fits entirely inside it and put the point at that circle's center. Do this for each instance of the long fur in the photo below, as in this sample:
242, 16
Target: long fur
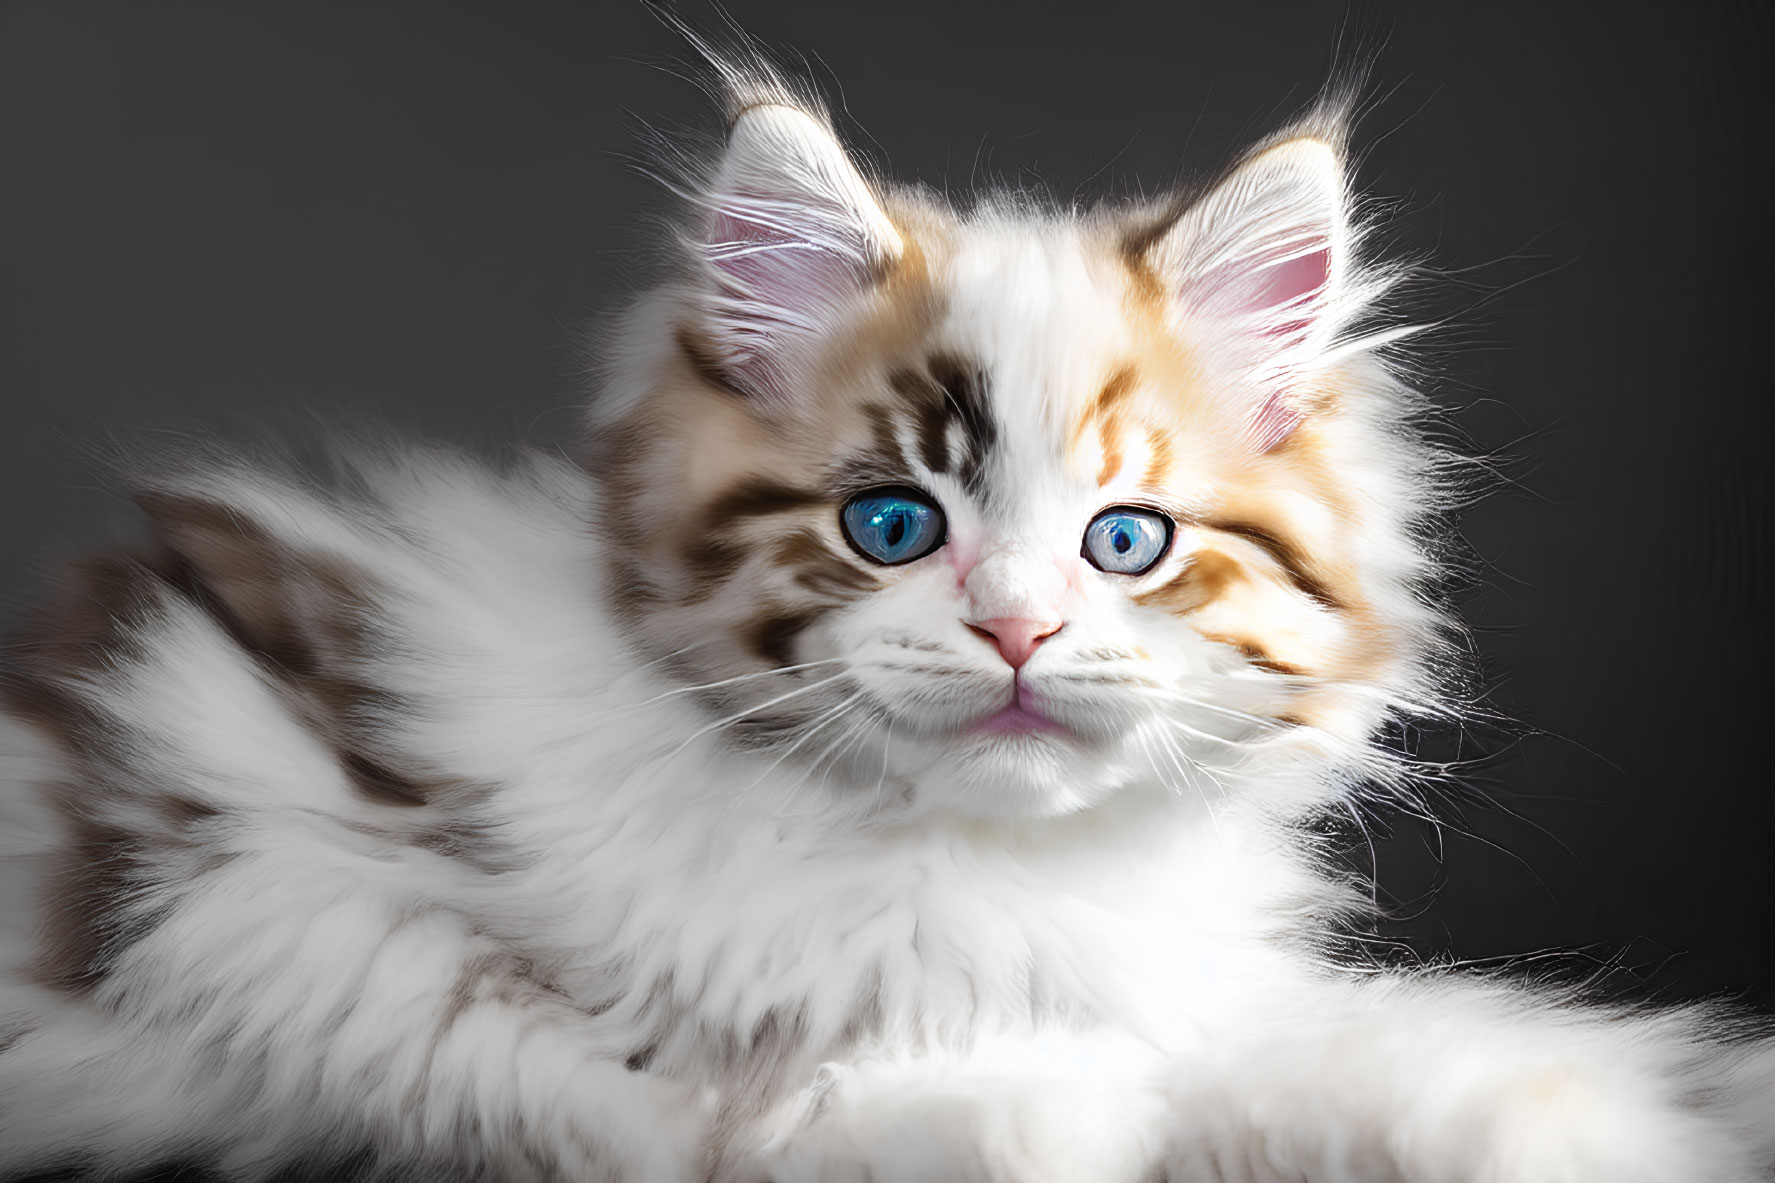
620, 820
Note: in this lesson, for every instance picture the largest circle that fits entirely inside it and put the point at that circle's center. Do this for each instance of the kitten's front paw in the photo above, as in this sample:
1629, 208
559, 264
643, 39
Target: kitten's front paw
912, 1124
1554, 1124
1565, 1125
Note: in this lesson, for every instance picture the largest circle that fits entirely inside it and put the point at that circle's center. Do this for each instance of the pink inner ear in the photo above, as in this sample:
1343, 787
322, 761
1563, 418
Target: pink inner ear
1281, 303
1291, 283
775, 267
780, 284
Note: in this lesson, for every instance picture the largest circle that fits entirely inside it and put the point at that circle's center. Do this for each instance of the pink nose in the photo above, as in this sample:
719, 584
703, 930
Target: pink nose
1015, 636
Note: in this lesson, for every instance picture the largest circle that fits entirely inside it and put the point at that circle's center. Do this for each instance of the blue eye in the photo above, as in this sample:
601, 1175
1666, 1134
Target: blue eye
893, 526
1127, 540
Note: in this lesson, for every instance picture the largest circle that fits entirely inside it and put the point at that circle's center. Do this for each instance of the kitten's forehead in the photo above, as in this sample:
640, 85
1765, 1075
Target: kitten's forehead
1040, 310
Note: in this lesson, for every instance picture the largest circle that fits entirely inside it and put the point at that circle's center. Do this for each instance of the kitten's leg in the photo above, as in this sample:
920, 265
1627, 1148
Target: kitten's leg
267, 1017
1444, 1080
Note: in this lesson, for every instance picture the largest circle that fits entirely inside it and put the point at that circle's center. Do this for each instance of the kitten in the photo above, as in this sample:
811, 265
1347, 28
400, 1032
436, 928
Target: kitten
893, 755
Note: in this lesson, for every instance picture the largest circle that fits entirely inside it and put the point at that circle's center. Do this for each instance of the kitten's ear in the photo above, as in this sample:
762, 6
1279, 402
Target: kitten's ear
1257, 269
792, 232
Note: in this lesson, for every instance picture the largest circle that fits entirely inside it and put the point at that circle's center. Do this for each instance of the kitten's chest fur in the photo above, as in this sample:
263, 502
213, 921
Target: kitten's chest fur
759, 945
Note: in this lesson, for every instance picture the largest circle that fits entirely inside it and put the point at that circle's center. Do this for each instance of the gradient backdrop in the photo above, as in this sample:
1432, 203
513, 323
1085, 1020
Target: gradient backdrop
226, 213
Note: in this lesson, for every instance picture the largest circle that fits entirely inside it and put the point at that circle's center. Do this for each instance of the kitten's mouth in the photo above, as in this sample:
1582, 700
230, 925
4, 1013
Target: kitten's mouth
1020, 718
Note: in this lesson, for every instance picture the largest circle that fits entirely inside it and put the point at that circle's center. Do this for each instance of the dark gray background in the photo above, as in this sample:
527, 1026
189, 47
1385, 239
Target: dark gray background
225, 213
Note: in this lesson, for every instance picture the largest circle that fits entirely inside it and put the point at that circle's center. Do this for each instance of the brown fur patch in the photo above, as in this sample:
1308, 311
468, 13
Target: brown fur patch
773, 638
1134, 249
468, 844
1158, 459
307, 617
1112, 453
884, 444
949, 392
289, 609
88, 627
378, 783
700, 357
820, 569
1293, 562
1253, 652
184, 812
1207, 577
709, 563
1112, 420
14, 1030
88, 918
1114, 393
712, 556
1108, 414
757, 497
87, 632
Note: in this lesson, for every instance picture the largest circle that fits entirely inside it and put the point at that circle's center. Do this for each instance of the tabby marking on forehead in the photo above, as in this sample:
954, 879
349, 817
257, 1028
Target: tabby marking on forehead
955, 425
1105, 415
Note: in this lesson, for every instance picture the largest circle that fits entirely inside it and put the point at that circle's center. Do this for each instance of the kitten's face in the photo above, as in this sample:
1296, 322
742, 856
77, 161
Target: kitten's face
1008, 519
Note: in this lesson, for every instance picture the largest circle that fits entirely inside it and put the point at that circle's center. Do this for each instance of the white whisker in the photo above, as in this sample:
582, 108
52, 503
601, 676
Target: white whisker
808, 733
785, 669
881, 782
734, 718
1181, 761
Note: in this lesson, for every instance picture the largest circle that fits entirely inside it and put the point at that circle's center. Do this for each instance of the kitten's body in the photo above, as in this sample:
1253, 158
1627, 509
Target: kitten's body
531, 824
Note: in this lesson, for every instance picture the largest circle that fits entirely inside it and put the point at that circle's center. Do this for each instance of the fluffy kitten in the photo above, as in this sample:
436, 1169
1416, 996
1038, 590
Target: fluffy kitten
893, 755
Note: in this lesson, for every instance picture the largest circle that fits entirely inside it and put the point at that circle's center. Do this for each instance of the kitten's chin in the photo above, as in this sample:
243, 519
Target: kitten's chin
1015, 770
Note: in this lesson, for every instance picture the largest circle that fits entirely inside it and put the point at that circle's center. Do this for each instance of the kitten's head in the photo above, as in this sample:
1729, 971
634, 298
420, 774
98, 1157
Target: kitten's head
1004, 509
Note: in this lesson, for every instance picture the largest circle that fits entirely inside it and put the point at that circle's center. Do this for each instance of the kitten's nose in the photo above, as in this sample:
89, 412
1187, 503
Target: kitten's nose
1016, 637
